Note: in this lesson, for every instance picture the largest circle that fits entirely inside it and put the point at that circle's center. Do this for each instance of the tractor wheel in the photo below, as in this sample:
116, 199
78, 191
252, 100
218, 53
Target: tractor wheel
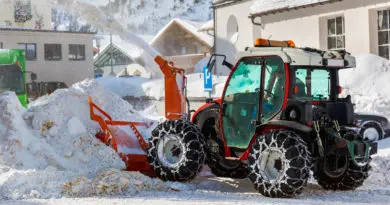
279, 164
220, 166
372, 131
176, 151
351, 179
347, 175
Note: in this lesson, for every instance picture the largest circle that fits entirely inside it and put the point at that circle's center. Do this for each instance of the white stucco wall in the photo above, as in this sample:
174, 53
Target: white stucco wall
223, 44
306, 27
65, 70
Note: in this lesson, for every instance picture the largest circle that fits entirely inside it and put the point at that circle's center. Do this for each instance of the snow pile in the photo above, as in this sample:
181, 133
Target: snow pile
154, 88
53, 142
112, 182
368, 84
380, 175
260, 6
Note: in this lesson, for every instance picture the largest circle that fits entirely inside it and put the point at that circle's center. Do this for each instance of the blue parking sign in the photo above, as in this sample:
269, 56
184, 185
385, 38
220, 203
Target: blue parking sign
208, 80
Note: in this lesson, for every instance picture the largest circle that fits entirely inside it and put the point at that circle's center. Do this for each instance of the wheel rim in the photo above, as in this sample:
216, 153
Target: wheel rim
371, 134
271, 165
170, 151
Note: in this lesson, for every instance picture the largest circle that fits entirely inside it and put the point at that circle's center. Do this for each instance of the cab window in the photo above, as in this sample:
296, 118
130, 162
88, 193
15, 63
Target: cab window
313, 84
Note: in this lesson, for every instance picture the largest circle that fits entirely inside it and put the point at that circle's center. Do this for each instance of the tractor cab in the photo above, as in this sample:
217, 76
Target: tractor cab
280, 116
274, 80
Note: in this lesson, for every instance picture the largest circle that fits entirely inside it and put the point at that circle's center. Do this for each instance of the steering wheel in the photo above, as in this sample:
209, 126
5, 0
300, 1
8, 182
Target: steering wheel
269, 92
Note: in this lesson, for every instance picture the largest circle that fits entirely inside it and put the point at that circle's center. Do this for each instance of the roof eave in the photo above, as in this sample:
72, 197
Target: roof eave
281, 10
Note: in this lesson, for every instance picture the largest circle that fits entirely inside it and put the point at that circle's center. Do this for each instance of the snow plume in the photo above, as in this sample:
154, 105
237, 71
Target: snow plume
368, 84
140, 16
50, 149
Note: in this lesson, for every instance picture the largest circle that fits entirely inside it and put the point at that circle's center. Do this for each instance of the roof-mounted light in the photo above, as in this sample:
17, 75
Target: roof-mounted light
261, 42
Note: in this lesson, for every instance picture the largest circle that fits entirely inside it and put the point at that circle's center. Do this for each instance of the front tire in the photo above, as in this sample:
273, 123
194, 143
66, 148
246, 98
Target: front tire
176, 151
279, 164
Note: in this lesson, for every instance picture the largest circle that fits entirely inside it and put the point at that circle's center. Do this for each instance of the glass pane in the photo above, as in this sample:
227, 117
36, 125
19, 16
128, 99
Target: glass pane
31, 52
320, 84
383, 37
384, 51
274, 87
331, 26
241, 102
301, 81
11, 78
331, 42
339, 25
383, 19
340, 41
22, 46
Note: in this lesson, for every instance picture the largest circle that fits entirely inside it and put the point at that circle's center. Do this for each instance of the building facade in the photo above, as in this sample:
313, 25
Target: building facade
358, 26
182, 42
29, 14
52, 55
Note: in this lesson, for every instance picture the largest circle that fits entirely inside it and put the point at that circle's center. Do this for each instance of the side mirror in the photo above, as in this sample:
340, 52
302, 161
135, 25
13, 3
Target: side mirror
33, 76
211, 65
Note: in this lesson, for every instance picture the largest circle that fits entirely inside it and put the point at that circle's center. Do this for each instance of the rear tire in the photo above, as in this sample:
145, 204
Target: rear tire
207, 121
222, 167
279, 164
176, 151
353, 178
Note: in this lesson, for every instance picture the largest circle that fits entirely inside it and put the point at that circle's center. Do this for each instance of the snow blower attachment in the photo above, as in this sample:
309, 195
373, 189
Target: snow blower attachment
175, 148
123, 137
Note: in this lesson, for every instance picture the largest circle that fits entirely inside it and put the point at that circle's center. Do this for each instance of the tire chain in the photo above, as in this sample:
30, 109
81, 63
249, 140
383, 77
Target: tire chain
194, 149
299, 165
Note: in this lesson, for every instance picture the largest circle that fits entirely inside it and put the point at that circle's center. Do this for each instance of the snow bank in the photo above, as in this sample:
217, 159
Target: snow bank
380, 175
51, 143
368, 84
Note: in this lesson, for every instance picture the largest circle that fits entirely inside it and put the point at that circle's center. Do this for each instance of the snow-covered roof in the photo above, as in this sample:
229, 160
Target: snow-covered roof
209, 25
190, 26
260, 7
128, 48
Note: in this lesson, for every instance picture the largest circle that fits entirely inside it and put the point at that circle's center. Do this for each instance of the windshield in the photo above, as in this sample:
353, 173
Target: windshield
313, 84
11, 78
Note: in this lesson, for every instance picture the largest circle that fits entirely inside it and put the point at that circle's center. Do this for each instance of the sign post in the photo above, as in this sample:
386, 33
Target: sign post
207, 80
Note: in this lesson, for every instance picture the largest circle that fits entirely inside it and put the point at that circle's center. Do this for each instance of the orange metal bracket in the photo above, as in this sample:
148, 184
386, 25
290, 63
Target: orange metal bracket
134, 162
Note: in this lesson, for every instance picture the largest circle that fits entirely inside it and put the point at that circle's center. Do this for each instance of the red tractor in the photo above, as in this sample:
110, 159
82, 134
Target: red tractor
280, 117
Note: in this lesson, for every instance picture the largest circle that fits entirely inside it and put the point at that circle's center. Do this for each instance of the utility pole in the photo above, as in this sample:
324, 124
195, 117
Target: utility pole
111, 56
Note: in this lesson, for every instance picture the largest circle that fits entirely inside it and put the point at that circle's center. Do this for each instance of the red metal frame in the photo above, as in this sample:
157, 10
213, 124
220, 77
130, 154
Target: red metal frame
134, 162
267, 128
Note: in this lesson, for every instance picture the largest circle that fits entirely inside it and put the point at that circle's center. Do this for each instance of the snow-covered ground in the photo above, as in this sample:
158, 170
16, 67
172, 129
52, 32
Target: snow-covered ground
208, 189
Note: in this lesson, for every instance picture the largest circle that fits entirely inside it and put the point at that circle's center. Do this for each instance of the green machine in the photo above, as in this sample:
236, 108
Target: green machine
13, 73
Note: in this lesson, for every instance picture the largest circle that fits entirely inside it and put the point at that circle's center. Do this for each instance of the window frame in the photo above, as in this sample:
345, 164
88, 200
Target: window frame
384, 30
35, 57
76, 59
45, 52
311, 98
336, 35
